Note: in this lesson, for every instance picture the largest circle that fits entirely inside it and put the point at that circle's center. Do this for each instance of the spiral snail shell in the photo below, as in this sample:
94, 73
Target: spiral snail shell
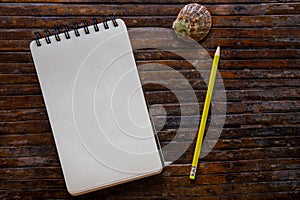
194, 21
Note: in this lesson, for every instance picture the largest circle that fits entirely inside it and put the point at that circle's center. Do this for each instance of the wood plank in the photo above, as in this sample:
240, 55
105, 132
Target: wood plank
283, 64
231, 120
190, 75
19, 89
17, 79
16, 102
202, 190
34, 172
26, 139
31, 194
149, 1
25, 184
229, 139
233, 55
245, 177
274, 32
40, 126
282, 175
240, 43
30, 161
23, 115
62, 194
226, 167
229, 84
17, 68
225, 74
9, 143
13, 57
264, 195
236, 148
231, 108
172, 110
48, 156
27, 151
227, 155
166, 97
245, 143
187, 157
153, 21
274, 64
234, 166
22, 9
148, 181
187, 134
197, 84
174, 170
199, 190
248, 54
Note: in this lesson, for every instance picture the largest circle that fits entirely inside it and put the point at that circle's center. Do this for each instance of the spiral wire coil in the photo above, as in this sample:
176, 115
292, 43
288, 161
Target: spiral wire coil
75, 27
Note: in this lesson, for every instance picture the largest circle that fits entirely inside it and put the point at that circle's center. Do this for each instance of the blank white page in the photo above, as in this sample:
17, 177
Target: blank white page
96, 107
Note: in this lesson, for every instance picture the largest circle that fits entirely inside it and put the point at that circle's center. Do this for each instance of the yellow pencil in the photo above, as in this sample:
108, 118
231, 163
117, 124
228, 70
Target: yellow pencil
210, 88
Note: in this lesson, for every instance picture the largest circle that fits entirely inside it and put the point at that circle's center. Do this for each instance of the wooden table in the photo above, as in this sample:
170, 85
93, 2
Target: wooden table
257, 155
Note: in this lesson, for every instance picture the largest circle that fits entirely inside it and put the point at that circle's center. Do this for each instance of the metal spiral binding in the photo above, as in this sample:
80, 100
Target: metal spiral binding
95, 22
104, 19
67, 32
86, 29
56, 31
37, 38
47, 34
114, 21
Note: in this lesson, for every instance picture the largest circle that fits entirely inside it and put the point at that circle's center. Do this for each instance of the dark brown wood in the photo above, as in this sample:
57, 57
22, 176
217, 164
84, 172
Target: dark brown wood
175, 170
166, 97
156, 10
23, 45
46, 155
153, 21
257, 131
234, 54
276, 32
170, 109
255, 157
26, 139
151, 1
280, 175
34, 89
285, 64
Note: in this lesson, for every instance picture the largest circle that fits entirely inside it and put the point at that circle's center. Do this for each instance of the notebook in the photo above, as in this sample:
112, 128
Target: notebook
96, 106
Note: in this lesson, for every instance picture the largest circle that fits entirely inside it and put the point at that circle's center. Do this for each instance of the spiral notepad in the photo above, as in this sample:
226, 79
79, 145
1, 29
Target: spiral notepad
96, 105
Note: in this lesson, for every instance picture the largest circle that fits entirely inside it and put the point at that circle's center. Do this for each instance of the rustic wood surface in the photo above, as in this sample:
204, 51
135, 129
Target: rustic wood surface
257, 155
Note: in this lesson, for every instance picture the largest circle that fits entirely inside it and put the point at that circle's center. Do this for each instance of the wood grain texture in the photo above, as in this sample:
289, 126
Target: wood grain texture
34, 22
156, 10
257, 153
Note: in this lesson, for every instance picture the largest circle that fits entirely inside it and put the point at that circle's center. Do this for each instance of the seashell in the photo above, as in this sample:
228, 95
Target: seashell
194, 21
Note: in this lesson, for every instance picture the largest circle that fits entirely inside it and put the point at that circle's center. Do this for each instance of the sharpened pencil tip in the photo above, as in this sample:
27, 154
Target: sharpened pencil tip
218, 51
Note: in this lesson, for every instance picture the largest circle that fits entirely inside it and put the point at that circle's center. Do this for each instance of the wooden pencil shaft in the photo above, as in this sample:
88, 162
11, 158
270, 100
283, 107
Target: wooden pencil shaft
205, 113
